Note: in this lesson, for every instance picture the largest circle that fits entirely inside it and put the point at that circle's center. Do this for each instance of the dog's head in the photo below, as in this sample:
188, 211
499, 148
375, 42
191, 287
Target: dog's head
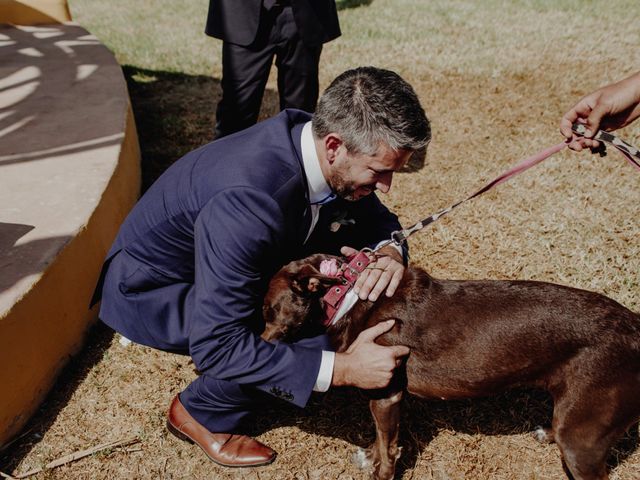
292, 307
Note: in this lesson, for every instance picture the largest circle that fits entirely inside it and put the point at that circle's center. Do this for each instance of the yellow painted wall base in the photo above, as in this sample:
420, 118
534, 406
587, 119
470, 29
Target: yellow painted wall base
69, 177
47, 326
34, 12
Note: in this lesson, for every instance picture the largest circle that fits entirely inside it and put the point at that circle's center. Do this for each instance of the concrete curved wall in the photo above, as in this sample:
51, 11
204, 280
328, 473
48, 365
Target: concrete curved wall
69, 174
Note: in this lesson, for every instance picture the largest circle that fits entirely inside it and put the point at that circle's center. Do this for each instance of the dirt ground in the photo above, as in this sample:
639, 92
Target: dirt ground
572, 220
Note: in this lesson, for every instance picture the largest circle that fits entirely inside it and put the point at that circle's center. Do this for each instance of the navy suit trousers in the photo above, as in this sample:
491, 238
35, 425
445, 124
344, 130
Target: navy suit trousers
219, 405
223, 406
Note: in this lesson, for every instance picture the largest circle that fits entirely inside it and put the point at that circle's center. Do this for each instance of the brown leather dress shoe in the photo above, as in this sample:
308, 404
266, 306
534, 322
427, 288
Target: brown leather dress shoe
225, 449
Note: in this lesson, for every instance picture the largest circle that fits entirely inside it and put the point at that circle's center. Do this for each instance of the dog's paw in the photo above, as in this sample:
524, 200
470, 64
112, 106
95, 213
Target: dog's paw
397, 454
362, 459
543, 435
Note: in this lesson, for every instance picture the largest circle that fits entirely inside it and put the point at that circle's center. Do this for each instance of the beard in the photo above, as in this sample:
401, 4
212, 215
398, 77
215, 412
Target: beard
346, 189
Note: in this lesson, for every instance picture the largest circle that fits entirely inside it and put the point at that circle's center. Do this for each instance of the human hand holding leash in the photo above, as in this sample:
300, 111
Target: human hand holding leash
608, 108
365, 364
383, 275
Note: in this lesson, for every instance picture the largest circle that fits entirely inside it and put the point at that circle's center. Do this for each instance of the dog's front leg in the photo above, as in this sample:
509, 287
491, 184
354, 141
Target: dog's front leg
380, 458
386, 414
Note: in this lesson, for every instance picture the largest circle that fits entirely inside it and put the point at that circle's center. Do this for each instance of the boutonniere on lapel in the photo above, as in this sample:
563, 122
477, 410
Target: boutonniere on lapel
339, 218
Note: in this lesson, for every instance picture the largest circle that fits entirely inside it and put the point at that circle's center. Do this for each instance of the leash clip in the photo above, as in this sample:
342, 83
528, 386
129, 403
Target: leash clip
579, 129
398, 237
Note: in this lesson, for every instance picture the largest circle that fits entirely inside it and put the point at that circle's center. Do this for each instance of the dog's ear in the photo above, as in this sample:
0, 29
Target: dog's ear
308, 281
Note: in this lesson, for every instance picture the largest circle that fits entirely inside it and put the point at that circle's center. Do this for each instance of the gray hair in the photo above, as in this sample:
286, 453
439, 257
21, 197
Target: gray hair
368, 106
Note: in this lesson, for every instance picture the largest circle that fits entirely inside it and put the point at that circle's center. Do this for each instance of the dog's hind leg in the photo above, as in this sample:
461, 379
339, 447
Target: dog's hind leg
582, 460
587, 421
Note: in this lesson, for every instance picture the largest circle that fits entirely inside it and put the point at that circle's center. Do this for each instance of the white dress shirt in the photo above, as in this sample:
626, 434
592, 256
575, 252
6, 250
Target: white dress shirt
319, 190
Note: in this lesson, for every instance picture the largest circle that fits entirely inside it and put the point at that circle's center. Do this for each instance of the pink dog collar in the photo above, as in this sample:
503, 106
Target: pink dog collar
348, 273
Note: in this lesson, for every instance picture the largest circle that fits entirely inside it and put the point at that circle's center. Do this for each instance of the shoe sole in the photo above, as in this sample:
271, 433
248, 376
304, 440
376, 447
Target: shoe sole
187, 438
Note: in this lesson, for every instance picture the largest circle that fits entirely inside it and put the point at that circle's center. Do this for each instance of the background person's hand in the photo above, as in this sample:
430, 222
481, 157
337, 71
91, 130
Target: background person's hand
383, 275
366, 364
608, 108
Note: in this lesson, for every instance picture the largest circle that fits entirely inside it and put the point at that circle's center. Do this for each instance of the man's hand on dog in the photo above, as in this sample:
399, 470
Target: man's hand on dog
365, 364
383, 274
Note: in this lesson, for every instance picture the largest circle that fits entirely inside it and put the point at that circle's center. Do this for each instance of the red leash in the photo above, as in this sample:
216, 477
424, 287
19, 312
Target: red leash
631, 153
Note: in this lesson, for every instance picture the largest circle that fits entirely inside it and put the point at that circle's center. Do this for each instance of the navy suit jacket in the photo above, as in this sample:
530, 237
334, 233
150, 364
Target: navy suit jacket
237, 21
192, 261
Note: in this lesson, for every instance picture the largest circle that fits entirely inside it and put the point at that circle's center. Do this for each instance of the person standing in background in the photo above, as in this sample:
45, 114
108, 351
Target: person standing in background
253, 32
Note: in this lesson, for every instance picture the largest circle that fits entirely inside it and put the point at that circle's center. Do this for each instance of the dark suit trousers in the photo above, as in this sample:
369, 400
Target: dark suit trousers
219, 405
245, 71
223, 406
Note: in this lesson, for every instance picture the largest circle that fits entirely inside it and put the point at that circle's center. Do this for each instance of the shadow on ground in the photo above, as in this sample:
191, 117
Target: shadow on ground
344, 414
345, 4
175, 113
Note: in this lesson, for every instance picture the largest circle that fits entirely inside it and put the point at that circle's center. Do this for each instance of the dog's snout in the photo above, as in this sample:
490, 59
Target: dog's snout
270, 333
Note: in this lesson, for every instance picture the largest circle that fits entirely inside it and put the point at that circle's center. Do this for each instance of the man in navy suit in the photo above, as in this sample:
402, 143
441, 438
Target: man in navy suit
192, 261
253, 32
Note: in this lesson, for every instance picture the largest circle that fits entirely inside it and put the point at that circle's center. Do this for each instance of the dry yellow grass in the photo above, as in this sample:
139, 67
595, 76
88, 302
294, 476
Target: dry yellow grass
495, 78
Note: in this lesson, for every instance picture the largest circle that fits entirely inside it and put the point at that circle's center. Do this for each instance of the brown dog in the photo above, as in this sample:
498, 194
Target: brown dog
477, 338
